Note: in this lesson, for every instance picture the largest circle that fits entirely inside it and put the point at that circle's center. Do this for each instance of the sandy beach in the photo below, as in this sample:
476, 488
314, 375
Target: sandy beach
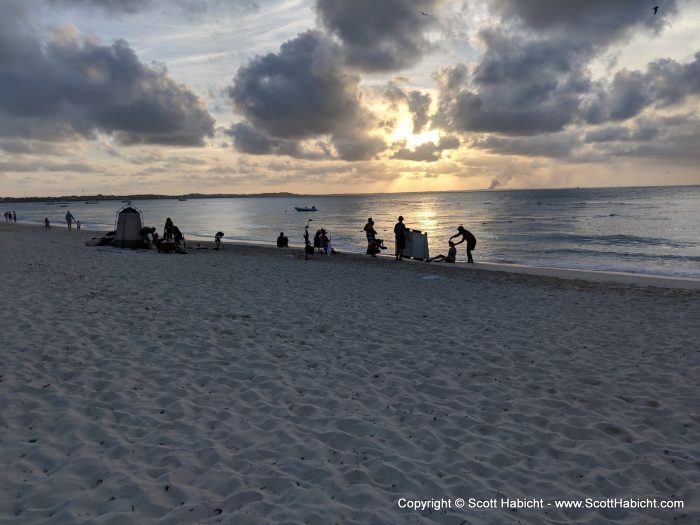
252, 386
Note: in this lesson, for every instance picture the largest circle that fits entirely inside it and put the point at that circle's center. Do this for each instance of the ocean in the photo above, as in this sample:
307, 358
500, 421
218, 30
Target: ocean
649, 230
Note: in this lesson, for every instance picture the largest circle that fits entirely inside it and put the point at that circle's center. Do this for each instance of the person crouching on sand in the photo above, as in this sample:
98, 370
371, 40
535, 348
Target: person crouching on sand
282, 241
449, 258
217, 240
145, 234
467, 237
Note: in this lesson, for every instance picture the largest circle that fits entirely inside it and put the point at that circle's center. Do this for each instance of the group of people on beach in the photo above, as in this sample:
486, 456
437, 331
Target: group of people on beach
10, 216
174, 240
171, 240
374, 245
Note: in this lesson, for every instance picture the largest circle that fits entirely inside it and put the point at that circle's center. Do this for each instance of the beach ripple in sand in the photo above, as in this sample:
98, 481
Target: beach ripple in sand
248, 387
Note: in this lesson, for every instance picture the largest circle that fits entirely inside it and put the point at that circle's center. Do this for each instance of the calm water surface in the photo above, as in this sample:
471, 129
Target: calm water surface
642, 230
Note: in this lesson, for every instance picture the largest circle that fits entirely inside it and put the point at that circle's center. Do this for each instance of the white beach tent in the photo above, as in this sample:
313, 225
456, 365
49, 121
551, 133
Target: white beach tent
416, 245
128, 225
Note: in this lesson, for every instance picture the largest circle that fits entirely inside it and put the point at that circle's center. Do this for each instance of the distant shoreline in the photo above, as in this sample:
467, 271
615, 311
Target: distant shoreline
282, 194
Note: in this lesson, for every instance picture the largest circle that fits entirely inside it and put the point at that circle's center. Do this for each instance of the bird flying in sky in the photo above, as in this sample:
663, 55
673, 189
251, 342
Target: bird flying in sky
424, 14
655, 9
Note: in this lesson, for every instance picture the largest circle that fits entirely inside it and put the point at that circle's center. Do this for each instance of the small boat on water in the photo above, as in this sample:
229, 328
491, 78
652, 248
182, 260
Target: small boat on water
305, 208
182, 199
90, 202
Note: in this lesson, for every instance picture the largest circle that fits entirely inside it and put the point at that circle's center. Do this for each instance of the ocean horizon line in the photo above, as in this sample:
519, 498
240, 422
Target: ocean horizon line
282, 194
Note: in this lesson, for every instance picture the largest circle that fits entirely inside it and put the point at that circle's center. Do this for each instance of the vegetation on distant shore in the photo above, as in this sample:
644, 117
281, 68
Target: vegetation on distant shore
101, 197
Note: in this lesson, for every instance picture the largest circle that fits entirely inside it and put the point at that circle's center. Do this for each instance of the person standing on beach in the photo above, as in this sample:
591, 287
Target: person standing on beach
400, 237
370, 231
467, 237
168, 230
14, 216
47, 224
372, 248
69, 219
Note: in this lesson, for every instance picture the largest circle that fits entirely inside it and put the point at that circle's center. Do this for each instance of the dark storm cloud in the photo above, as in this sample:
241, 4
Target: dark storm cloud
664, 83
533, 76
249, 140
66, 88
302, 92
521, 106
596, 21
360, 146
379, 36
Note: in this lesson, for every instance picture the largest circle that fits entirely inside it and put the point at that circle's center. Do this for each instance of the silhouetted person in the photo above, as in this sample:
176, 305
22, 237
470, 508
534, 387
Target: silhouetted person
369, 230
14, 216
144, 233
449, 258
324, 240
168, 230
217, 240
400, 237
317, 240
373, 248
178, 238
69, 219
47, 224
282, 241
467, 237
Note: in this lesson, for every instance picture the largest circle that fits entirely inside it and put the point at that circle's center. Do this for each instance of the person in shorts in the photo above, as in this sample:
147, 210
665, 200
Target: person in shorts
467, 237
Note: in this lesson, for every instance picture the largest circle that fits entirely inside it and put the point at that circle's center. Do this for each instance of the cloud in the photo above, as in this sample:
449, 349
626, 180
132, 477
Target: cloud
31, 147
596, 21
249, 140
556, 145
666, 138
664, 83
534, 74
21, 166
110, 6
302, 92
194, 8
68, 88
417, 103
428, 151
379, 36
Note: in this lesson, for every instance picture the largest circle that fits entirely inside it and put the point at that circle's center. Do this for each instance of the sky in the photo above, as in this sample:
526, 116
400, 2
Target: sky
339, 96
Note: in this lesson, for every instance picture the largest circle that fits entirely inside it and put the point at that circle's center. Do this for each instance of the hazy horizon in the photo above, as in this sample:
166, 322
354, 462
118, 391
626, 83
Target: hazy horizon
329, 97
273, 194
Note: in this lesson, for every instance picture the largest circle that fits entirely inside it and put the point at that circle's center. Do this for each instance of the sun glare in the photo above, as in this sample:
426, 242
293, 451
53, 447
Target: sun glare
403, 132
